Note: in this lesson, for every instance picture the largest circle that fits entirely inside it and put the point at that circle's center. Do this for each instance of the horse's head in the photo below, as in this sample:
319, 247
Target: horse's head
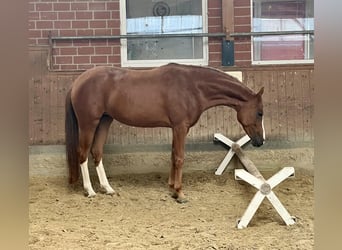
250, 115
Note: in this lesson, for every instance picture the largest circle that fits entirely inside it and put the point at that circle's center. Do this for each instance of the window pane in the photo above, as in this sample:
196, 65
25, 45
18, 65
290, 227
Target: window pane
167, 17
290, 15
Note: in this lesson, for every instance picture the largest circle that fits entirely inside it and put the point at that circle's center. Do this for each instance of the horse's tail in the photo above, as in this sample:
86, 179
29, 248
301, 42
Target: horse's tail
71, 140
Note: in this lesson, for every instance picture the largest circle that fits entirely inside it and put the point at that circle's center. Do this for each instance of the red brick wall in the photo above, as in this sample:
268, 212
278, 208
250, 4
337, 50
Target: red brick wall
76, 18
242, 23
215, 26
96, 18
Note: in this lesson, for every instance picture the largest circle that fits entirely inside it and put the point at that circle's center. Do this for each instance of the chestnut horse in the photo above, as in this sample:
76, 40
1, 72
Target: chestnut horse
171, 96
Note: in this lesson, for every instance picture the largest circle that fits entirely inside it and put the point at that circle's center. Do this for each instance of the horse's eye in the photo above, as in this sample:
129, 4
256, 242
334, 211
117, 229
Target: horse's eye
260, 114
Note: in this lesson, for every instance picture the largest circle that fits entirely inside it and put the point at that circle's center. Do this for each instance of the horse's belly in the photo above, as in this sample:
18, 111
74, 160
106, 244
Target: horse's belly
141, 115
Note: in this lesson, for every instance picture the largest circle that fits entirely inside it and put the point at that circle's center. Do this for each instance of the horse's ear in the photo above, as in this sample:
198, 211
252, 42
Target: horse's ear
261, 91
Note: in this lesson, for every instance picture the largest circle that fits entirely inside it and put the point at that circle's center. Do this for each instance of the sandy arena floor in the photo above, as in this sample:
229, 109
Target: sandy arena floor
144, 216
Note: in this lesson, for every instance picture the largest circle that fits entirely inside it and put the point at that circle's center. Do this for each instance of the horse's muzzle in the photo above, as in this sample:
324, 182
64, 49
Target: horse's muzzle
257, 142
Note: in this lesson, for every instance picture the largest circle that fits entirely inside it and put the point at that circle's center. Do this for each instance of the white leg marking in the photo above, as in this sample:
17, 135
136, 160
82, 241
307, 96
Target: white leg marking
103, 179
263, 130
86, 180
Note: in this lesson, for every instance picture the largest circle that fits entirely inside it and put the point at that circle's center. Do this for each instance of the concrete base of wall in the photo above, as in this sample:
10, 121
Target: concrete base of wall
51, 161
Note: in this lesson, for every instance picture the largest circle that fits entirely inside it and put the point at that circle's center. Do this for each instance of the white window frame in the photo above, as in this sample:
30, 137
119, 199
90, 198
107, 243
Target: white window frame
155, 63
280, 62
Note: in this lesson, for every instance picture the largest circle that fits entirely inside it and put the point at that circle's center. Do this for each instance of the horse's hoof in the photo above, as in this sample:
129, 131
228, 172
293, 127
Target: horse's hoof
91, 195
181, 200
174, 195
111, 193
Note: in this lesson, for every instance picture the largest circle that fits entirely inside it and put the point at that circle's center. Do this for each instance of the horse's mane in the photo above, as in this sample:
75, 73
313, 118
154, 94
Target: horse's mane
211, 69
225, 76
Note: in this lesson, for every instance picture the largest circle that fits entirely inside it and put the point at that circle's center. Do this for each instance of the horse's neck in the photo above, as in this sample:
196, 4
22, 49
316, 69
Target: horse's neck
225, 91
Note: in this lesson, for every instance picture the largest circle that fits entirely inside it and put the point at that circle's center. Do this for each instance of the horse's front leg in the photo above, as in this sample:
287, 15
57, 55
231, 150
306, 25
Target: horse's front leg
177, 159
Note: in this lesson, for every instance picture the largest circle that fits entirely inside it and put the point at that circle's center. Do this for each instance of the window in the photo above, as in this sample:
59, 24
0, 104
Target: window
167, 17
283, 15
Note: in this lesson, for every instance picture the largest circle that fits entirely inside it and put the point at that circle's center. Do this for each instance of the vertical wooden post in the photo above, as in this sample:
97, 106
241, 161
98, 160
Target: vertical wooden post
228, 18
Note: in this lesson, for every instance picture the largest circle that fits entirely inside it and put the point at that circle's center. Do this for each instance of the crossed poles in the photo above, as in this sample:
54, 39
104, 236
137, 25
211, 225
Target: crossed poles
254, 178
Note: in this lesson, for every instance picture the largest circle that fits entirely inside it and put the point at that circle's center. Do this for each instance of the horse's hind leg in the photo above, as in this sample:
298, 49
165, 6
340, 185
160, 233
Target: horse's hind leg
86, 135
97, 152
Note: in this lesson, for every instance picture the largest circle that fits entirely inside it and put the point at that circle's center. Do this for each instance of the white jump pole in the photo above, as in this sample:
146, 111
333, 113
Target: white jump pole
264, 187
219, 137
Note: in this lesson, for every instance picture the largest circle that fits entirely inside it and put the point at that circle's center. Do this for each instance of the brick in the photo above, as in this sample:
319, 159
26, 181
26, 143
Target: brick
85, 32
215, 29
215, 47
102, 32
214, 4
99, 42
242, 3
103, 50
242, 63
63, 60
245, 20
79, 6
45, 33
62, 24
115, 59
84, 42
79, 24
115, 14
62, 43
215, 56
97, 6
61, 6
102, 15
68, 51
242, 46
43, 7
33, 16
68, 67
112, 5
31, 25
242, 55
242, 28
242, 11
99, 59
66, 15
44, 25
67, 32
97, 24
85, 51
48, 15
115, 32
84, 66
81, 59
34, 33
113, 23
116, 50
214, 21
84, 15
215, 12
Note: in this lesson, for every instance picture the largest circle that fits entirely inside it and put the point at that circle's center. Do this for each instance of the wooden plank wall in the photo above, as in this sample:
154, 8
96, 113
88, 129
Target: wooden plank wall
288, 102
288, 108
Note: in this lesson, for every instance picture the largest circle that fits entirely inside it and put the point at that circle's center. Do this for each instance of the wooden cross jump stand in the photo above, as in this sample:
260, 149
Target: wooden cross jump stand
254, 177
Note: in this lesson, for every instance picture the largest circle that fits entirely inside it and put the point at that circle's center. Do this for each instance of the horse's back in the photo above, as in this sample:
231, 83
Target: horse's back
146, 98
